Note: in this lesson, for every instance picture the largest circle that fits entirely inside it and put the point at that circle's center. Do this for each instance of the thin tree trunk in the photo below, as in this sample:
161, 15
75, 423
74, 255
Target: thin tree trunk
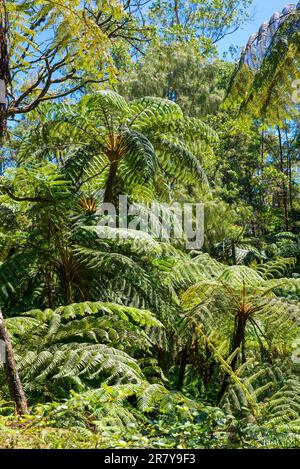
182, 369
290, 180
289, 168
67, 283
284, 188
12, 376
176, 10
4, 66
262, 165
233, 252
49, 289
110, 184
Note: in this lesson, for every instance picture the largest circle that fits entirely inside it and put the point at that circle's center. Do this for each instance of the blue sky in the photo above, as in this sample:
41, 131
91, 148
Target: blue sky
262, 11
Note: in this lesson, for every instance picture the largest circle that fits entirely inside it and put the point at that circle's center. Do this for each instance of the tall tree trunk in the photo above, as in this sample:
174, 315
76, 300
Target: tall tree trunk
12, 376
4, 66
289, 167
262, 165
290, 180
110, 183
284, 187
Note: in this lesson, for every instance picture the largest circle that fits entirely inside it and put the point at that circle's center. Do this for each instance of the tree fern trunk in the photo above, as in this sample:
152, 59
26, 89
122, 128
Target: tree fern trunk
12, 376
182, 369
110, 184
238, 337
67, 285
233, 252
237, 342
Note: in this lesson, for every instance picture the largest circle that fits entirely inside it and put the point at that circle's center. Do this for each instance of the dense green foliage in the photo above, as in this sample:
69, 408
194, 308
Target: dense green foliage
126, 337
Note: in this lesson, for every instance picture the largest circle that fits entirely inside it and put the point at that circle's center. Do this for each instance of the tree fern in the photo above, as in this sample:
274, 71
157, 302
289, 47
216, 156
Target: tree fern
80, 344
